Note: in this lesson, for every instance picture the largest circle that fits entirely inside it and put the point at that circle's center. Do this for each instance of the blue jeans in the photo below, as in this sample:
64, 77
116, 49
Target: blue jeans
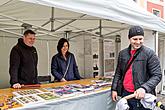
133, 103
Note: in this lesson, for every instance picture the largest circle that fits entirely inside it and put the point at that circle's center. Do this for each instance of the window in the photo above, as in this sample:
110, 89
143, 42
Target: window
156, 12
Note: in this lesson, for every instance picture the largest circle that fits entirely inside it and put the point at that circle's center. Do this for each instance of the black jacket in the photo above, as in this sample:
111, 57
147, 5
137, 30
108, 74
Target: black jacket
146, 69
23, 64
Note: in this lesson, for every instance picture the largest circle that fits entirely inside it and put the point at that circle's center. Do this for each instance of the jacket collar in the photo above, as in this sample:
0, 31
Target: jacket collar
67, 55
20, 42
138, 50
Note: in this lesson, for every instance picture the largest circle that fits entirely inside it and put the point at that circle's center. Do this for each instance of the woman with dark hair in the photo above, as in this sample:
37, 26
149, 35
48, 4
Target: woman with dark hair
63, 65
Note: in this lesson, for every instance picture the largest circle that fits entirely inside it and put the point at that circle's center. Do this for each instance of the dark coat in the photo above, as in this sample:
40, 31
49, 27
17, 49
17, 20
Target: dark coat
23, 64
59, 65
146, 69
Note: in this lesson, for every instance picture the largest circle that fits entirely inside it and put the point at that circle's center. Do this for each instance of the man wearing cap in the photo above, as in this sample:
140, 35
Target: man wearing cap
23, 61
143, 73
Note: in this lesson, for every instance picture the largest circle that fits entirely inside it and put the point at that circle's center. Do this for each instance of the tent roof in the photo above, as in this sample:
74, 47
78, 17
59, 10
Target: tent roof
117, 10
76, 16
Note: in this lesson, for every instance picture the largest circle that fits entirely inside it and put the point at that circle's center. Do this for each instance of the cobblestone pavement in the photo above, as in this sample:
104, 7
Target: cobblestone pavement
161, 98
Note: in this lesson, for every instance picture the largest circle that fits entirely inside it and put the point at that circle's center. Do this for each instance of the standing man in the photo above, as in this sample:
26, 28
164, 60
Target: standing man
143, 74
23, 61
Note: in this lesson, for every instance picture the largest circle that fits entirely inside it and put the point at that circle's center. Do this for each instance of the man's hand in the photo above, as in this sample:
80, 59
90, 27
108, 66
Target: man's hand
16, 86
114, 96
140, 93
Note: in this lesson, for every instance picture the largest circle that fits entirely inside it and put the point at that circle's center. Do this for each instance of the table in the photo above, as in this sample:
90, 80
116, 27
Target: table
100, 100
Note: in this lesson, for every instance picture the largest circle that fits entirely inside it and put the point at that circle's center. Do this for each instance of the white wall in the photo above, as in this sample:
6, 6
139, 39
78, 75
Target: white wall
124, 39
46, 50
5, 47
88, 56
161, 56
77, 48
149, 40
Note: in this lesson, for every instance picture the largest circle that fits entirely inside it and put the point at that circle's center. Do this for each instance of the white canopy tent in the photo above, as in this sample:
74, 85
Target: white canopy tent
56, 16
53, 18
124, 11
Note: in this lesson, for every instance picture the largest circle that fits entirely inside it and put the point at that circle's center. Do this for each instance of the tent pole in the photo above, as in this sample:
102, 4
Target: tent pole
52, 19
68, 22
21, 21
10, 32
81, 29
101, 50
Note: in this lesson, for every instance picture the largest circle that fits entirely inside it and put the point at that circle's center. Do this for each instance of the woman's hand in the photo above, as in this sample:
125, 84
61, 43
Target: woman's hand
63, 80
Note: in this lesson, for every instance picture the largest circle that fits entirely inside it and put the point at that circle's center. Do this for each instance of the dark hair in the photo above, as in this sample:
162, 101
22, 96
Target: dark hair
61, 43
28, 32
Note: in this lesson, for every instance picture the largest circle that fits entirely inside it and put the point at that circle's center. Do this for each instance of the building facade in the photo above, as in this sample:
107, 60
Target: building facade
154, 6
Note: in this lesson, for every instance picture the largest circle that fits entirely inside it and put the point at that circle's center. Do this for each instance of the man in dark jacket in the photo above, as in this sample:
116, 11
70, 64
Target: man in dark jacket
23, 61
143, 74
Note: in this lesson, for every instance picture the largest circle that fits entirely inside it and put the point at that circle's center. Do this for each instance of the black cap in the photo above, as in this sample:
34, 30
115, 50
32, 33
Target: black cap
135, 30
